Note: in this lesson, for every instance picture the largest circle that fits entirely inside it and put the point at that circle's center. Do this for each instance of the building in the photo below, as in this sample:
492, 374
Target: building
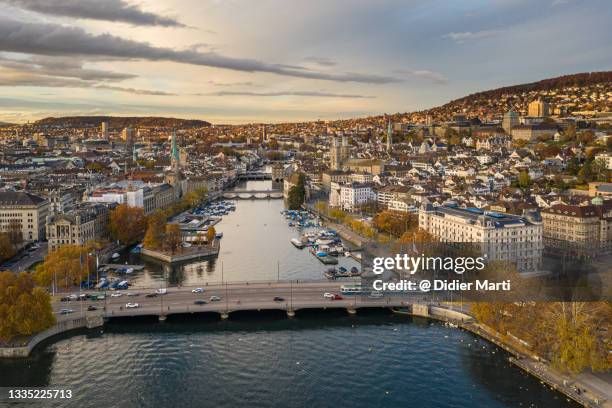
598, 188
390, 193
338, 151
25, 212
389, 136
354, 195
511, 119
538, 109
499, 236
533, 132
87, 223
104, 131
579, 230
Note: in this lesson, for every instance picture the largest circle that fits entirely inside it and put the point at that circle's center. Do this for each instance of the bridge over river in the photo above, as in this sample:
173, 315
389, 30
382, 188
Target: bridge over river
234, 297
252, 194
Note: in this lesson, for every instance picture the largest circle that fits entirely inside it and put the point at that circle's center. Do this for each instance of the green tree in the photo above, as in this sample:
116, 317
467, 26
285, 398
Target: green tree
297, 194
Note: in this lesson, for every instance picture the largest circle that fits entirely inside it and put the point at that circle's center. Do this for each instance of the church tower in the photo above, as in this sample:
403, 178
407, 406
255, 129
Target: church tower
389, 136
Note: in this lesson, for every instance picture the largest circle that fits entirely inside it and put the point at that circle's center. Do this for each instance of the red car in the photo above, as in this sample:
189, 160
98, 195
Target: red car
338, 297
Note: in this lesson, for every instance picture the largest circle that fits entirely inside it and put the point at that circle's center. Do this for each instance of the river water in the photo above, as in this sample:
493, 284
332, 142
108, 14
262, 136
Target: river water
318, 359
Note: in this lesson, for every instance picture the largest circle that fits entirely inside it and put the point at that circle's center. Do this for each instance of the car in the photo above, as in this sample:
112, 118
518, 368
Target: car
215, 298
133, 294
161, 291
328, 295
132, 305
338, 297
73, 297
197, 290
151, 295
91, 308
200, 302
116, 294
279, 299
65, 299
66, 311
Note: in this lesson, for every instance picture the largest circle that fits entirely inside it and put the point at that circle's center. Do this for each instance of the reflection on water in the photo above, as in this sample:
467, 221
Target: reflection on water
255, 246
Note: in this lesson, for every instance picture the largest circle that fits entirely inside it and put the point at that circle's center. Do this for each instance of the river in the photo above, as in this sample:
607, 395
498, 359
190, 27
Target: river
319, 358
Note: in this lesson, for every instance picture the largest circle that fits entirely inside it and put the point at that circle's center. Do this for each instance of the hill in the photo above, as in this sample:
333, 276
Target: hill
569, 93
5, 124
119, 122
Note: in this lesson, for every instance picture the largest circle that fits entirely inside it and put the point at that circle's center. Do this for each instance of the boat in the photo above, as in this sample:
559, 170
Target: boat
342, 269
219, 235
347, 254
129, 270
115, 255
297, 243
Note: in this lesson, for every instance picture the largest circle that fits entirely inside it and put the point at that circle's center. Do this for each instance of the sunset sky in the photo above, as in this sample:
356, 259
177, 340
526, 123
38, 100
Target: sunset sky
236, 61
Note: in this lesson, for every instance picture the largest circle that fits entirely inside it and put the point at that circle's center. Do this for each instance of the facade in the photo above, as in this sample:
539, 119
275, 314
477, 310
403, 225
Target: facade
25, 212
354, 195
338, 152
388, 194
87, 223
579, 230
499, 236
511, 119
532, 133
538, 109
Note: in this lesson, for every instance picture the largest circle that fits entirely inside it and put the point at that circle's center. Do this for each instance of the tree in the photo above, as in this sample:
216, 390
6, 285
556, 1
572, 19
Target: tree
127, 224
65, 267
210, 234
524, 180
156, 226
172, 237
394, 223
297, 194
24, 308
7, 249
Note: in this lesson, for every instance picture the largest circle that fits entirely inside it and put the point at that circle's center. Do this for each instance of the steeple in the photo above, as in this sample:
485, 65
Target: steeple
389, 136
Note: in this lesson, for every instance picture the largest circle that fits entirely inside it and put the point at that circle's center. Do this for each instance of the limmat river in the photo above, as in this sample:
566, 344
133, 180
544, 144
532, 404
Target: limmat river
317, 359
255, 247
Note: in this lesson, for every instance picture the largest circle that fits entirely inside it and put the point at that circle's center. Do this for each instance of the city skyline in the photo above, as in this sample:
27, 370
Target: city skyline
237, 62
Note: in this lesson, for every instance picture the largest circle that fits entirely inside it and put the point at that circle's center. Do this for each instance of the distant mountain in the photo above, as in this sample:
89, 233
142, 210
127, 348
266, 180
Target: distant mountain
120, 122
5, 124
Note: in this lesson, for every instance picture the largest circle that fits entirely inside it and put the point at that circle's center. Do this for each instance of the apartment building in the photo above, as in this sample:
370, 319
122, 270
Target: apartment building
499, 236
581, 230
25, 212
354, 195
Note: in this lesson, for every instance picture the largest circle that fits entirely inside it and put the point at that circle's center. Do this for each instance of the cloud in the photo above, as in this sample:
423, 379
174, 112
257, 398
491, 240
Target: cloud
107, 10
468, 35
62, 67
228, 84
434, 77
58, 40
292, 93
20, 78
327, 62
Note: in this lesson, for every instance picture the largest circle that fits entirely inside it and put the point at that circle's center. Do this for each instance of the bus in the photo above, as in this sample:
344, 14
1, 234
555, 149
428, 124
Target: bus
351, 289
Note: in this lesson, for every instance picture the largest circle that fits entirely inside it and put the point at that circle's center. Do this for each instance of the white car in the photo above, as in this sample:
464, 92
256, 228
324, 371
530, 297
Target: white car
133, 294
161, 291
73, 297
215, 298
198, 290
131, 305
328, 295
116, 294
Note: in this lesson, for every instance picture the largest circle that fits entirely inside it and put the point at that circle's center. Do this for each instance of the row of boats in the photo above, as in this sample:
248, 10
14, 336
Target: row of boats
215, 208
303, 219
342, 272
116, 284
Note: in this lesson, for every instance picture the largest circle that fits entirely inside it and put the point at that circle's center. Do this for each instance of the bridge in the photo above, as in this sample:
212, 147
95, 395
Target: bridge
252, 194
234, 297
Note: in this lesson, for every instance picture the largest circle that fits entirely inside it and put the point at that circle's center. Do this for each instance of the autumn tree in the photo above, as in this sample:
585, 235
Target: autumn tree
172, 237
65, 267
127, 224
7, 248
210, 234
156, 225
24, 308
394, 223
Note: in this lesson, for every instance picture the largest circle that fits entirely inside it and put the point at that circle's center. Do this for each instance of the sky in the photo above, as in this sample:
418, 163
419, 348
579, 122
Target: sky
241, 61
